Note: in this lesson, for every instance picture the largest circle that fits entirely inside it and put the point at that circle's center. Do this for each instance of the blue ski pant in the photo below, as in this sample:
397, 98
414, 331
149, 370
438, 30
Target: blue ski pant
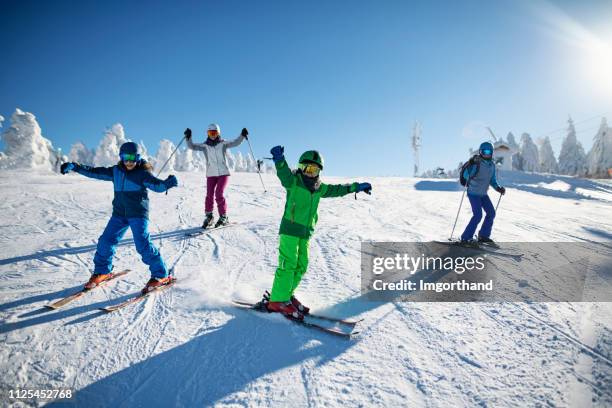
114, 231
478, 203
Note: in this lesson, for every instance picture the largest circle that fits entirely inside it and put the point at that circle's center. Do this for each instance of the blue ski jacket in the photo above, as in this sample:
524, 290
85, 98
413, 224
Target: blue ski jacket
480, 176
131, 199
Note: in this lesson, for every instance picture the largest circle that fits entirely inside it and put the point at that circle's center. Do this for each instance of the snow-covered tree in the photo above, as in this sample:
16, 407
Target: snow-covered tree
514, 146
240, 164
107, 153
548, 162
166, 147
251, 165
199, 160
529, 160
184, 159
599, 159
572, 158
231, 160
24, 145
79, 153
144, 152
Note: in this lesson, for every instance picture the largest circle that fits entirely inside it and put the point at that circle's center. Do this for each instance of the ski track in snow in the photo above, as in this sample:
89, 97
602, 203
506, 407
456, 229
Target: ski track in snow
190, 339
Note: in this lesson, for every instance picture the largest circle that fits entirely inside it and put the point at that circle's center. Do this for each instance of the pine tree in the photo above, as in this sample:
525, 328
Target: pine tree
515, 157
572, 158
529, 159
599, 159
548, 162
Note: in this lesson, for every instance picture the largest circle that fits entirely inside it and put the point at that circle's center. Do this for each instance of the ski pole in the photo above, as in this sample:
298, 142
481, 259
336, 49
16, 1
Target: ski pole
457, 217
164, 166
498, 201
258, 172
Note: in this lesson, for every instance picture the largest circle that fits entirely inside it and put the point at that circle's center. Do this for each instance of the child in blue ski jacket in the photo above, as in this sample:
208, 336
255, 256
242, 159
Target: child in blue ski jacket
479, 175
131, 178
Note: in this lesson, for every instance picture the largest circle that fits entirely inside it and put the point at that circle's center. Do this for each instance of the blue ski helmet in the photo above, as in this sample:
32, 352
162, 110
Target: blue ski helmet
486, 150
129, 152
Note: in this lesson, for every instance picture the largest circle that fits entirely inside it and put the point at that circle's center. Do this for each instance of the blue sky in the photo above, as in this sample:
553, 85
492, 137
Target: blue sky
345, 77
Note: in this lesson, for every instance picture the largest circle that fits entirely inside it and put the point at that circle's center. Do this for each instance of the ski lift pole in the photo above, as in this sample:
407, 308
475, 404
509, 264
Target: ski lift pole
164, 166
458, 211
258, 172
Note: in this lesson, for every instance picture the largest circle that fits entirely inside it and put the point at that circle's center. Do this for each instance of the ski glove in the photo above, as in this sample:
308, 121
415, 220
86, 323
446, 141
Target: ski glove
365, 187
501, 190
278, 153
67, 168
244, 133
170, 182
187, 134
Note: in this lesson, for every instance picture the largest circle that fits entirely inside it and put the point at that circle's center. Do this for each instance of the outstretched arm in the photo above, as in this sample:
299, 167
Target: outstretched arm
339, 190
99, 173
495, 184
159, 186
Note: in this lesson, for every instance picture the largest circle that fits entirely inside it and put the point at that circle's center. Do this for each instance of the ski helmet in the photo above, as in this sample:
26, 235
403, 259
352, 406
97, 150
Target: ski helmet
129, 152
312, 156
486, 150
214, 126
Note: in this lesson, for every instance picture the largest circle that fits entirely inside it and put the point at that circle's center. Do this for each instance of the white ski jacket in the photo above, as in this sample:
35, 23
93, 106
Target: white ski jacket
216, 161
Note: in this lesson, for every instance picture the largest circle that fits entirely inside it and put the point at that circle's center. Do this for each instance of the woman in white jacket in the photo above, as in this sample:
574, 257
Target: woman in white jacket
217, 170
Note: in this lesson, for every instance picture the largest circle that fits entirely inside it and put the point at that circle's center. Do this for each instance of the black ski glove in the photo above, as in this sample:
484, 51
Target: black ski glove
501, 190
187, 134
244, 133
67, 168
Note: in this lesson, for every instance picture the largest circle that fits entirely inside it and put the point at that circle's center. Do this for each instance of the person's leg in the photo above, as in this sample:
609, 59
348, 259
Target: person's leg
470, 229
219, 194
211, 182
149, 253
302, 263
487, 225
287, 264
114, 231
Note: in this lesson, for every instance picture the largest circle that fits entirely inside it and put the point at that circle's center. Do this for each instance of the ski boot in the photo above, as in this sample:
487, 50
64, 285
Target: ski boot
223, 220
96, 279
286, 308
468, 243
208, 220
155, 283
487, 241
299, 306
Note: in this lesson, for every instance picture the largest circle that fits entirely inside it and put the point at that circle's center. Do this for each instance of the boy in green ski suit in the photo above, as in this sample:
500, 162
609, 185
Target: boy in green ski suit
304, 190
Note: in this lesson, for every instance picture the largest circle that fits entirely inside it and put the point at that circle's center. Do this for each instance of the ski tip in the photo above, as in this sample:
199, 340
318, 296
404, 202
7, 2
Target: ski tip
52, 307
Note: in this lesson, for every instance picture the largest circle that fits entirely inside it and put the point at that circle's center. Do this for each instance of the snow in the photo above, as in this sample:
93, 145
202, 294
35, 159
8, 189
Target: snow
164, 156
190, 347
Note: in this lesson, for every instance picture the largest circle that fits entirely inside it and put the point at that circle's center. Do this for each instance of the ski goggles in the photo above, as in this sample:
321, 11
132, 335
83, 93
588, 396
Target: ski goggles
310, 169
487, 152
212, 133
129, 157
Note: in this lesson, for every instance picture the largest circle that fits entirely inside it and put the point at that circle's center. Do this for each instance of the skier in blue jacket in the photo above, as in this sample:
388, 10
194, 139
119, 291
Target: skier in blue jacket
131, 178
479, 175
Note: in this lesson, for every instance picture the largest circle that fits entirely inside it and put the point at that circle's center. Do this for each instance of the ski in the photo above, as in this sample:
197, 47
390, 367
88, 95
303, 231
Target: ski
494, 250
80, 293
306, 322
206, 230
136, 298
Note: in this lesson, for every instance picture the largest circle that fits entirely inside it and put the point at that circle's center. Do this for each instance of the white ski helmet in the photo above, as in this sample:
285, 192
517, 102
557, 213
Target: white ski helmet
214, 126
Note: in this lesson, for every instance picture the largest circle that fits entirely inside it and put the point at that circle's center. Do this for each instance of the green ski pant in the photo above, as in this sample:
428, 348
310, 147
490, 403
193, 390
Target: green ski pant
292, 264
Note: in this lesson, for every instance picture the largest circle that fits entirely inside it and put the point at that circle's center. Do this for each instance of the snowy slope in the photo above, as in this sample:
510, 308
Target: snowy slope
190, 347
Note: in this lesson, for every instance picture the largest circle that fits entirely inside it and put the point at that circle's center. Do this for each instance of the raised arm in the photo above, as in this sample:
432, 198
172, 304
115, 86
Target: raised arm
283, 172
99, 173
244, 134
193, 146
